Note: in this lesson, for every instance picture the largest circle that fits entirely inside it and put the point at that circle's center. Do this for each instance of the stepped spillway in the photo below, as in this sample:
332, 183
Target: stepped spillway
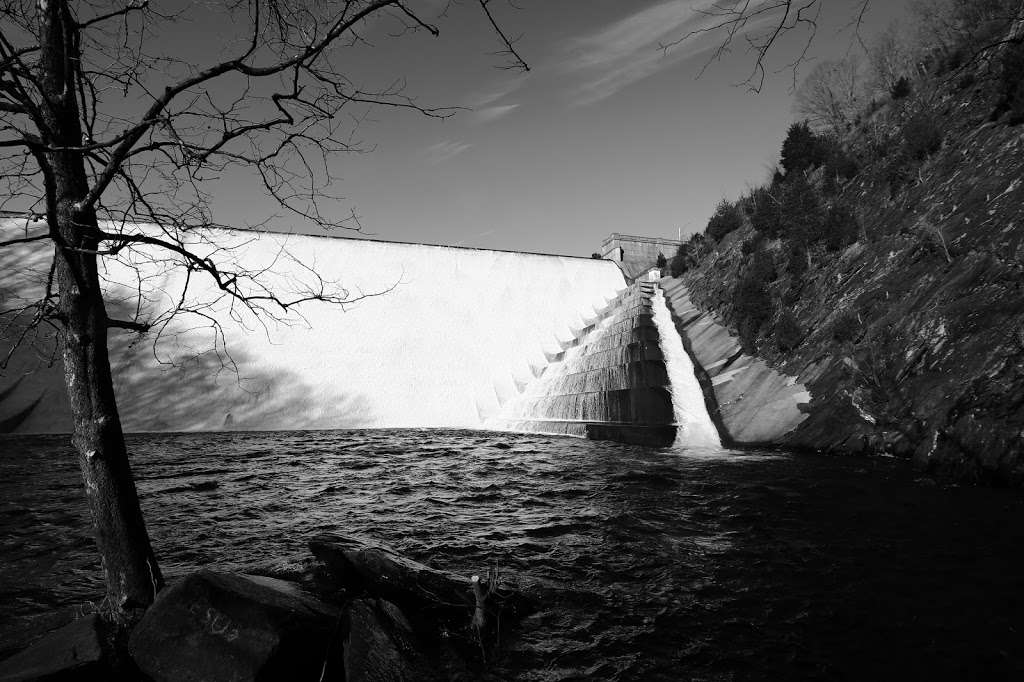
610, 382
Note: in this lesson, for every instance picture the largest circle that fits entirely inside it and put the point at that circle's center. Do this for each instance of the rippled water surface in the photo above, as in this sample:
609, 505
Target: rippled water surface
663, 563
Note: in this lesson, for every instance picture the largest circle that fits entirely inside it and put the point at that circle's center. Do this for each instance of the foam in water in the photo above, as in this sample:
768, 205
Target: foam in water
694, 426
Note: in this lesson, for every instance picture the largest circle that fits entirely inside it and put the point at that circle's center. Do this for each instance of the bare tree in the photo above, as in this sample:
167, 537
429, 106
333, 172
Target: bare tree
117, 147
760, 25
832, 94
891, 57
944, 24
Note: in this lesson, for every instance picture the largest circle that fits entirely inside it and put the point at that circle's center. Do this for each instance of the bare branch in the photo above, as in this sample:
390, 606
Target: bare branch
25, 240
130, 325
153, 114
517, 60
124, 11
743, 19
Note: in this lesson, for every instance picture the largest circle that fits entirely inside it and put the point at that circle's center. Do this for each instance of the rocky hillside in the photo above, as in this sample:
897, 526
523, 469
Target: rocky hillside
885, 268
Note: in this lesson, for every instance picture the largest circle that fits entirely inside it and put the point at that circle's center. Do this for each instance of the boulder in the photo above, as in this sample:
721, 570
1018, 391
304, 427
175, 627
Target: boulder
380, 645
73, 652
220, 626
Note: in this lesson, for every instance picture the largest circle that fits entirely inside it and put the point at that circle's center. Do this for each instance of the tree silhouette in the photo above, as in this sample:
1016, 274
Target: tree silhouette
111, 152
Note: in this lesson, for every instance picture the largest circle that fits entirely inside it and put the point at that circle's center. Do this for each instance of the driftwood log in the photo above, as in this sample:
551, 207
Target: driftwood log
360, 565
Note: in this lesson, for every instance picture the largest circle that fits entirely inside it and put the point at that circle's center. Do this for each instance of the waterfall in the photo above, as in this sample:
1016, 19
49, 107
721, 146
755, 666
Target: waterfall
694, 426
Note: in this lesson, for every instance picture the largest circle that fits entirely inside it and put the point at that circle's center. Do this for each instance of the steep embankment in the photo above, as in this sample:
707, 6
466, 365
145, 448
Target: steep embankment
910, 339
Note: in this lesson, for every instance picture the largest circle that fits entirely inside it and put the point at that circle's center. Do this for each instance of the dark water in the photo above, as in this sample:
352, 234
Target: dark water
661, 564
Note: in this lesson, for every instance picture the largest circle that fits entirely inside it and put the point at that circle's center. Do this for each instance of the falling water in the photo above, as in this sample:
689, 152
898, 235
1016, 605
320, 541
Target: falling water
694, 426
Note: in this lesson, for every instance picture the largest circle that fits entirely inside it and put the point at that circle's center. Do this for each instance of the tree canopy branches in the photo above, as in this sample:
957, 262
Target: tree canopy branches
116, 138
157, 130
759, 26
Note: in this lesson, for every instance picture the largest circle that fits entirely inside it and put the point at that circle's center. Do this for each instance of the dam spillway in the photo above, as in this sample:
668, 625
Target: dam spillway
435, 336
608, 382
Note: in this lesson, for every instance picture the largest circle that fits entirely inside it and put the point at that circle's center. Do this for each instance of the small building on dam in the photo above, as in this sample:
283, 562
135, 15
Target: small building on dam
636, 255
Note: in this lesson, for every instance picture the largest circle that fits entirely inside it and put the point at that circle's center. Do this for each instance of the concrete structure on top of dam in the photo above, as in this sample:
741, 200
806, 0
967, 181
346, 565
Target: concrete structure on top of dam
434, 336
636, 255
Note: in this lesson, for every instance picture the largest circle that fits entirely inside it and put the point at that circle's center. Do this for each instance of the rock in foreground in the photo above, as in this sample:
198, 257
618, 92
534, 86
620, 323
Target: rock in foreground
381, 647
74, 652
218, 626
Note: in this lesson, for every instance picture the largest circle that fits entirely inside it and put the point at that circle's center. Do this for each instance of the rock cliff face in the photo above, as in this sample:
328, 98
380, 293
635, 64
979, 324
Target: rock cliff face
911, 340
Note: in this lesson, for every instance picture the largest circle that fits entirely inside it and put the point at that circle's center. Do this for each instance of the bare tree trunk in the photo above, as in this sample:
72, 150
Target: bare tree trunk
129, 566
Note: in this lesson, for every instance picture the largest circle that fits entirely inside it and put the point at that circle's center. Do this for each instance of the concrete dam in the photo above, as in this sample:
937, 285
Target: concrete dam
432, 336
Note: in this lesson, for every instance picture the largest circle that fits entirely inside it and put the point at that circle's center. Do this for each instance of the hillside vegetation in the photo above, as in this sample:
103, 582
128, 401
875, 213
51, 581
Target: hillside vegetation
883, 263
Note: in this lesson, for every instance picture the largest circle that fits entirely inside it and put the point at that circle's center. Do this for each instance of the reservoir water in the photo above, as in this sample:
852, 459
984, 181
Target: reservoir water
657, 564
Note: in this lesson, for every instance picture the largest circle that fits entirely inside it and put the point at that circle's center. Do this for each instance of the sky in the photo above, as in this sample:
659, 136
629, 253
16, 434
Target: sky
606, 133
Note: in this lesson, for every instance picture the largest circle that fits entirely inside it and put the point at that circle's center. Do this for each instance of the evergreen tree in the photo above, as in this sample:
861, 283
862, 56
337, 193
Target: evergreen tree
726, 219
802, 149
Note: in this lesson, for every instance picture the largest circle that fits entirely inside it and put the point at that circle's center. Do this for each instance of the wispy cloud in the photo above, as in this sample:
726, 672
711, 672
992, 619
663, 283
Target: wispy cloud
630, 49
488, 114
485, 102
442, 151
496, 91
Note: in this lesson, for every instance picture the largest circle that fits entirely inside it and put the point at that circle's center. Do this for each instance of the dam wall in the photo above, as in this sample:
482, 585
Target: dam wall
432, 336
750, 402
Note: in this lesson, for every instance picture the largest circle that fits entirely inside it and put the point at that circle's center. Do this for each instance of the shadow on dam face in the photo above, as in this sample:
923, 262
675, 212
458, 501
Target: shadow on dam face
445, 337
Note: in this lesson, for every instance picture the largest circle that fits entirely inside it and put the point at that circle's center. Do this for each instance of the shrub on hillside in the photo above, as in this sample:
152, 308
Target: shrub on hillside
688, 255
921, 137
660, 262
901, 88
762, 267
680, 261
753, 307
841, 227
802, 150
766, 210
595, 256
802, 215
1011, 83
726, 219
839, 167
798, 263
787, 332
753, 244
846, 327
